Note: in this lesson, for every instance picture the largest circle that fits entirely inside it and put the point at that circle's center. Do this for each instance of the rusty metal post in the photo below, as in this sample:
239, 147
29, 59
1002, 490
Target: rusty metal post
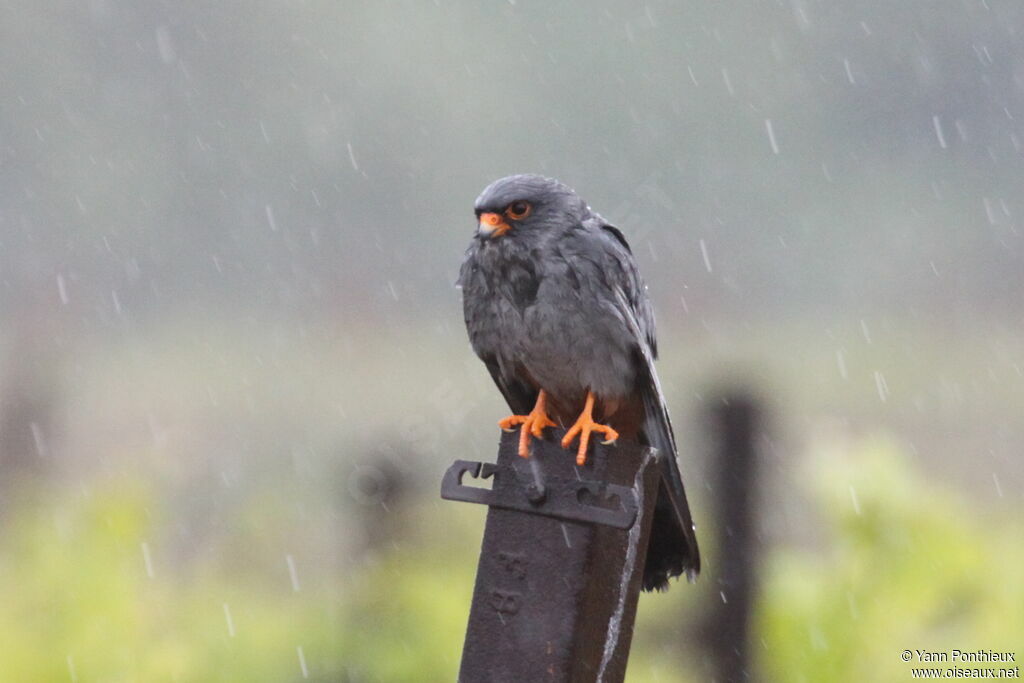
563, 550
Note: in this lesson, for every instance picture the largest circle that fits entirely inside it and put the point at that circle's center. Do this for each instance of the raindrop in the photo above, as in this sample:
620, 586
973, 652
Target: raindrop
704, 253
229, 620
302, 661
801, 17
147, 559
989, 212
938, 131
292, 573
854, 499
849, 72
352, 156
727, 81
270, 217
961, 129
165, 45
39, 439
62, 289
841, 364
771, 135
881, 386
864, 330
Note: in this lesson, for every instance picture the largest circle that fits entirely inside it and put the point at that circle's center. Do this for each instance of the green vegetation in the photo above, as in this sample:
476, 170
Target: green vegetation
907, 566
79, 604
90, 594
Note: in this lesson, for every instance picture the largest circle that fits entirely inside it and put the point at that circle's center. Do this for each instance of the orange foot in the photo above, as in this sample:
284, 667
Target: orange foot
534, 423
584, 426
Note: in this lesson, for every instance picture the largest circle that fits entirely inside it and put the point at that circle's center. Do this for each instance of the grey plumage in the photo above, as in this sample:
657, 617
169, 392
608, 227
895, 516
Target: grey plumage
556, 303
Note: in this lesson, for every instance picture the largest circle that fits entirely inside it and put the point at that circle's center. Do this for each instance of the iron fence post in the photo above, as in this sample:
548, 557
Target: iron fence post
561, 563
736, 420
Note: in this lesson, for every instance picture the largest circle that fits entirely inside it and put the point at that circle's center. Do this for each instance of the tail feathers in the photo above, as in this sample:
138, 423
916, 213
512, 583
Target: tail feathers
672, 550
668, 553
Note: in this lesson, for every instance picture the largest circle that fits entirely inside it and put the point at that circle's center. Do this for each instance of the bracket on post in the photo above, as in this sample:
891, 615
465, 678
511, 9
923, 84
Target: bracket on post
562, 559
577, 500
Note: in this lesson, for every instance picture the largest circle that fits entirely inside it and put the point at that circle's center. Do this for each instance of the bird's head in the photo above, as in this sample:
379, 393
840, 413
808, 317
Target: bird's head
521, 205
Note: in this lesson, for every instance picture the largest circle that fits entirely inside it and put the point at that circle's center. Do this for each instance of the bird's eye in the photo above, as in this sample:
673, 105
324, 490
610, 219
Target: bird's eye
518, 210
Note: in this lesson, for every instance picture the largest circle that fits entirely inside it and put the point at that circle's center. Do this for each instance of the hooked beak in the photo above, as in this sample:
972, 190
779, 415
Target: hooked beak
492, 225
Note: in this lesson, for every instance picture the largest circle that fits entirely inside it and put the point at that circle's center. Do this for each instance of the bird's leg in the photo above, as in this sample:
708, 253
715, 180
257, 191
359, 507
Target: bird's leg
584, 426
534, 424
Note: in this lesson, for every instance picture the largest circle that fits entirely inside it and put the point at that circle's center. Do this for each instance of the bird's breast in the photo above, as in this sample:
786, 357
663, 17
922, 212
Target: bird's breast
511, 275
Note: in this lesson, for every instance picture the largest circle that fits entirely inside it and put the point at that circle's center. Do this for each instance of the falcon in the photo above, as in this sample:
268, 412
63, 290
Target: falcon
556, 309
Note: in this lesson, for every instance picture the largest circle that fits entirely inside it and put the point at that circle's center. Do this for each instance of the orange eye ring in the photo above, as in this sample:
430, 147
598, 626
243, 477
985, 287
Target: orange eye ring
518, 210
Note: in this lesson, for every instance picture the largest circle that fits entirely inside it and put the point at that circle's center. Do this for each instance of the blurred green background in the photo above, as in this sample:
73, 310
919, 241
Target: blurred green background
232, 360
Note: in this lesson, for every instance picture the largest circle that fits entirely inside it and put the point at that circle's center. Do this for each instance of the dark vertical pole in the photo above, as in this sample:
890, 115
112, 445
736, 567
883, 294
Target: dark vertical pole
561, 563
29, 395
736, 423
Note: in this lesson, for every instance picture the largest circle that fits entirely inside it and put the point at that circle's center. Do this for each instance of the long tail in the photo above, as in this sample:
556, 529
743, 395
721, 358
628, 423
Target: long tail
673, 547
